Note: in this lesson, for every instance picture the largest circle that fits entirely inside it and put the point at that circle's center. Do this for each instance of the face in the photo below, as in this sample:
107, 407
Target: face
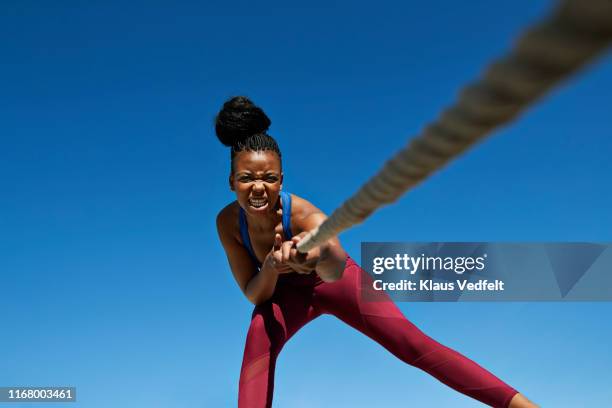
257, 180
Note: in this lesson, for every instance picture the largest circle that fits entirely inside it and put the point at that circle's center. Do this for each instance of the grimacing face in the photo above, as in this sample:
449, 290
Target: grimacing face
257, 180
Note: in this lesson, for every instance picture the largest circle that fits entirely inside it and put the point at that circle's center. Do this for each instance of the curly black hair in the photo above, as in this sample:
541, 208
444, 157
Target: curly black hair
242, 125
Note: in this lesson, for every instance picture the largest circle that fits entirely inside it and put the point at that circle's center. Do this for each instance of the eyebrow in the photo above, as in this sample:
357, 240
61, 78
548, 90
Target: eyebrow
248, 173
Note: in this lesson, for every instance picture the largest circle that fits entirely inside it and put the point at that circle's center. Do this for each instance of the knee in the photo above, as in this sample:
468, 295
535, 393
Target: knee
428, 353
415, 348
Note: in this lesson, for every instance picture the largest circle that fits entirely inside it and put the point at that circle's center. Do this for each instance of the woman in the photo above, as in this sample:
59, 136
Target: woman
259, 232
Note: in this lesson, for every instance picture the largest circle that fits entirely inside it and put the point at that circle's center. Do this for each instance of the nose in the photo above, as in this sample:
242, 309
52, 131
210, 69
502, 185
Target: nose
258, 187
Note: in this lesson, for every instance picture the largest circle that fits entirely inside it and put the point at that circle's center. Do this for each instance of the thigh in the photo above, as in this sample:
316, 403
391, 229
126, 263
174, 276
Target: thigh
352, 298
289, 309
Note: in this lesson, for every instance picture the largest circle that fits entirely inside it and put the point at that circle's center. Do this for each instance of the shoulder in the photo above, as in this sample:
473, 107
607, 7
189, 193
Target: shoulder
227, 219
304, 214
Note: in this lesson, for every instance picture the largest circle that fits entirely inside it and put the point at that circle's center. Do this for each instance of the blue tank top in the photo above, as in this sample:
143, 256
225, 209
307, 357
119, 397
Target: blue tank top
244, 228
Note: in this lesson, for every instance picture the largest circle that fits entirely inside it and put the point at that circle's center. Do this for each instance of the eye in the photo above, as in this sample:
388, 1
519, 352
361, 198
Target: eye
271, 179
245, 179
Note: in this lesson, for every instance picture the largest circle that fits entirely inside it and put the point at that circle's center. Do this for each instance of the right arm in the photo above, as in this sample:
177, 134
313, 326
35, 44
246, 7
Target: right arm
256, 286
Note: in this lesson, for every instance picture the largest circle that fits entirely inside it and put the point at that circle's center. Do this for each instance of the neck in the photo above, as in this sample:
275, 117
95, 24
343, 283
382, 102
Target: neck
262, 223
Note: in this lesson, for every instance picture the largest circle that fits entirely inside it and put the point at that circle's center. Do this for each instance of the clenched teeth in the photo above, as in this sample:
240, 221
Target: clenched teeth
257, 202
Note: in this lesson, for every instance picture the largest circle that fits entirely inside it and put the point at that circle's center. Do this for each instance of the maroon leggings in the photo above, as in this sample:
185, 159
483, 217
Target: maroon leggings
298, 299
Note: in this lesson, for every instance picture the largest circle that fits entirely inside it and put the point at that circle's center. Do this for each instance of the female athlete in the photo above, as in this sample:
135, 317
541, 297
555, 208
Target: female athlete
259, 232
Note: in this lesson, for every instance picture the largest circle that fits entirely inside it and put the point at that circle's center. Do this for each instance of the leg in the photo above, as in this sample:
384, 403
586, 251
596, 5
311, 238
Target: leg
519, 401
382, 321
272, 324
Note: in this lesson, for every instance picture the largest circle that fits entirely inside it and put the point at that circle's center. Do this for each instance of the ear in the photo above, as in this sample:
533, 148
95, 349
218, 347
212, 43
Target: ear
231, 182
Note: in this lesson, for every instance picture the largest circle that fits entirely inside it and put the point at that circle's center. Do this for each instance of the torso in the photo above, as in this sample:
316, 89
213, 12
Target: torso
261, 240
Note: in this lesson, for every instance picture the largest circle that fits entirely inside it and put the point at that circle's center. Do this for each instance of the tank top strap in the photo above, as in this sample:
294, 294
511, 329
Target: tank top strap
246, 240
286, 203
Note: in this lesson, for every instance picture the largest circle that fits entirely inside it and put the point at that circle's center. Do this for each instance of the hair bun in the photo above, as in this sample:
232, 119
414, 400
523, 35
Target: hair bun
238, 119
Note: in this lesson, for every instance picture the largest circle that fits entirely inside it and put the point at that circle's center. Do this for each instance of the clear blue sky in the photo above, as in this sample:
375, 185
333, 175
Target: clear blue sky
112, 277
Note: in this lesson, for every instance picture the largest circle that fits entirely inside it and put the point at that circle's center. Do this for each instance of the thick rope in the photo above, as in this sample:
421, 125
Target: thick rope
575, 33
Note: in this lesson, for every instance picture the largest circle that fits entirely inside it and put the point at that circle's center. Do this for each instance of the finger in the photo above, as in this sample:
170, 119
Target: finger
286, 249
278, 240
296, 240
277, 259
292, 254
284, 269
295, 256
